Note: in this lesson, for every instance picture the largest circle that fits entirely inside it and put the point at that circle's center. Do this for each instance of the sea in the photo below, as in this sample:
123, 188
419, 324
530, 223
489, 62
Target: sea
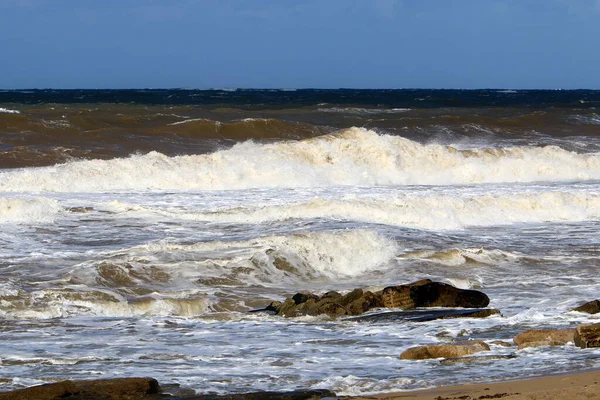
138, 228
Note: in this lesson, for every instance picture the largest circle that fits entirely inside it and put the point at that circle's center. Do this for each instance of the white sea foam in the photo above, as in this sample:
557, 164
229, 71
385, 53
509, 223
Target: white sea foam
352, 157
185, 121
45, 304
9, 111
591, 119
425, 211
275, 261
36, 210
188, 279
330, 254
359, 111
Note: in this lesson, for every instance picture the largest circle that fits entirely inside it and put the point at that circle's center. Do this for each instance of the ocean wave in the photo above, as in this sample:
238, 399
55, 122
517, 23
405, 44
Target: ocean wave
9, 111
354, 156
57, 126
459, 257
362, 111
165, 278
68, 302
591, 119
429, 211
243, 129
37, 210
264, 261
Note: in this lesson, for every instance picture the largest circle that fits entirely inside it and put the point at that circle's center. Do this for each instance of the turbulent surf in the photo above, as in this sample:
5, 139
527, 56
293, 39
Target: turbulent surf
139, 227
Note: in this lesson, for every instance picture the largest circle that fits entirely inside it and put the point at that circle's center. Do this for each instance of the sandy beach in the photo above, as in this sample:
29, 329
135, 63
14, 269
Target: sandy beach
570, 386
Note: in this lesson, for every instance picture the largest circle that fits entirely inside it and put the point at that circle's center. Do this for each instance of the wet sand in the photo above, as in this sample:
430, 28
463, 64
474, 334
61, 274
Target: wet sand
568, 387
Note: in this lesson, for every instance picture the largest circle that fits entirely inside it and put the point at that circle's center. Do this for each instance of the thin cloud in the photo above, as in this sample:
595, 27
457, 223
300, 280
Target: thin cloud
387, 8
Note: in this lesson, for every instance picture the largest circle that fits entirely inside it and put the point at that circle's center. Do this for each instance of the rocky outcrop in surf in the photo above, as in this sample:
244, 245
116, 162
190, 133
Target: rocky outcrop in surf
142, 389
544, 337
587, 335
110, 389
444, 350
423, 293
591, 307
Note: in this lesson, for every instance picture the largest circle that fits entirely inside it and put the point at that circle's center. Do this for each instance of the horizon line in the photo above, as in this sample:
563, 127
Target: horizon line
290, 89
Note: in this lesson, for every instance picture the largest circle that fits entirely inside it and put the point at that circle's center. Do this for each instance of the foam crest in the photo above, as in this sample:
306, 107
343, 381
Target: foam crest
331, 254
61, 303
430, 211
37, 210
9, 111
354, 156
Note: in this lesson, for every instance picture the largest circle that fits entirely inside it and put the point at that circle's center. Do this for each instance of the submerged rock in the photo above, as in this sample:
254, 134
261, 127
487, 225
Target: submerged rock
143, 389
423, 293
427, 315
444, 350
587, 335
501, 343
544, 337
478, 358
437, 294
106, 389
591, 307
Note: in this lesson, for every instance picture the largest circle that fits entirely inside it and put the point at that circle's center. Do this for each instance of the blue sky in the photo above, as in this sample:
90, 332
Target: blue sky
300, 43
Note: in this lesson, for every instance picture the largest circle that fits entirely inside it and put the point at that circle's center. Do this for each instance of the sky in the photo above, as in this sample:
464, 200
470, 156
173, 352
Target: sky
518, 44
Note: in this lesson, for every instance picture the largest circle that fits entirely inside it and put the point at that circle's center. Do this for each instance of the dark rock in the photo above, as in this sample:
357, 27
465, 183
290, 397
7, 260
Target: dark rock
80, 209
478, 358
426, 315
501, 343
288, 308
50, 391
483, 313
437, 294
325, 306
101, 389
272, 308
351, 297
591, 307
399, 296
541, 343
335, 296
587, 335
303, 297
364, 303
312, 306
423, 293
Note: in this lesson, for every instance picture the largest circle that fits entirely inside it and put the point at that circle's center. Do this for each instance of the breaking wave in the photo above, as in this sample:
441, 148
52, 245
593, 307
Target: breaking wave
354, 156
429, 211
269, 259
165, 278
9, 111
39, 210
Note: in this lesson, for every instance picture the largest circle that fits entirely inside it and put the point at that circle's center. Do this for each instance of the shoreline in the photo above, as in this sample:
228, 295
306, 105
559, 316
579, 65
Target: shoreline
572, 386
